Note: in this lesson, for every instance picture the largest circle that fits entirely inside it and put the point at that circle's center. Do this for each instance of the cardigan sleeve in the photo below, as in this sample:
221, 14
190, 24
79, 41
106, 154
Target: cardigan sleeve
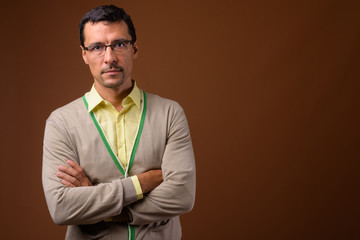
176, 194
78, 205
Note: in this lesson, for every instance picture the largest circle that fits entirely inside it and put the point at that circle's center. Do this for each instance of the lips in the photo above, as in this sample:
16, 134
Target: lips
113, 70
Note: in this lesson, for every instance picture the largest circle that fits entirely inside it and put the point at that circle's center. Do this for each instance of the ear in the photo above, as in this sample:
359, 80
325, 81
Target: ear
136, 49
83, 52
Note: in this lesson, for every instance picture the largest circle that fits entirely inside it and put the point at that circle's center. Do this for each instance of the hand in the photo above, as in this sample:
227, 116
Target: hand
150, 180
73, 175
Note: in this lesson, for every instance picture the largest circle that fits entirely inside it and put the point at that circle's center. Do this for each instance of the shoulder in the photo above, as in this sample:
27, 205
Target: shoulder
158, 103
165, 111
67, 113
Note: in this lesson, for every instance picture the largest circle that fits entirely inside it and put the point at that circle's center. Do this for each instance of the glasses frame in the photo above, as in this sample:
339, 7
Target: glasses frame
112, 46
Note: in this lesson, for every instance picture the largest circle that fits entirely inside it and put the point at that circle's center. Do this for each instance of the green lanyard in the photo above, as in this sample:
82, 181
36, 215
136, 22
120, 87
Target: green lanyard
124, 172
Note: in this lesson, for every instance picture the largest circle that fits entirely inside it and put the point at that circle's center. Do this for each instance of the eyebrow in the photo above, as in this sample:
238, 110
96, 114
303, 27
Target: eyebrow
95, 43
115, 41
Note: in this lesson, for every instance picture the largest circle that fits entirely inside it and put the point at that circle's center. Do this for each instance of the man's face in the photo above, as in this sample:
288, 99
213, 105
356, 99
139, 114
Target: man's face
110, 70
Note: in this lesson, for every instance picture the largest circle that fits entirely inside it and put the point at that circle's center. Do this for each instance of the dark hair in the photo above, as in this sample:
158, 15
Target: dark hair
106, 13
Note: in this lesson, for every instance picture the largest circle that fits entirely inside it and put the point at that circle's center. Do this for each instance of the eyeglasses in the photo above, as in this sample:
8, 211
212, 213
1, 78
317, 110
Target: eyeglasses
119, 47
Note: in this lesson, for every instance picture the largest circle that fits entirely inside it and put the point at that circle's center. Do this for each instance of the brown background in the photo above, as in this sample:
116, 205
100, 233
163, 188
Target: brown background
270, 89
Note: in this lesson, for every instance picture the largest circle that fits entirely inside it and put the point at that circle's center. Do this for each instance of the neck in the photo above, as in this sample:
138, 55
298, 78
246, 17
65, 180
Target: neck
114, 95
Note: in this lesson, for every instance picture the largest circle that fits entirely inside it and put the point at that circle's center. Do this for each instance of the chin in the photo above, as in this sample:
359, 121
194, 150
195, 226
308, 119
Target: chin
112, 83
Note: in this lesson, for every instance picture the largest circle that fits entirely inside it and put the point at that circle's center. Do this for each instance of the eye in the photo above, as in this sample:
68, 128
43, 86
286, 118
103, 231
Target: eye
119, 45
96, 48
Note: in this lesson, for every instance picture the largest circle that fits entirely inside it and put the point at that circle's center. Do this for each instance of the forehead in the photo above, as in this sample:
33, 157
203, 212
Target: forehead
105, 32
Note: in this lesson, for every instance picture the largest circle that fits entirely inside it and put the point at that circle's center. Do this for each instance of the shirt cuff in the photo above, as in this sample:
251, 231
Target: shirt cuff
137, 186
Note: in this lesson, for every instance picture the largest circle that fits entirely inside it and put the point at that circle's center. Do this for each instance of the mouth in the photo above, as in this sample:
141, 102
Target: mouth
113, 70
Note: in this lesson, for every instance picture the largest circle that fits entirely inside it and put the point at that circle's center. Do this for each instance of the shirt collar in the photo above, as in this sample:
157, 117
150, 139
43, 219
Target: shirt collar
94, 99
135, 96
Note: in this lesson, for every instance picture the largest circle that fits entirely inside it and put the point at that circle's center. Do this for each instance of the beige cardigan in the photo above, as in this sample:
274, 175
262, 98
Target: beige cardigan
165, 143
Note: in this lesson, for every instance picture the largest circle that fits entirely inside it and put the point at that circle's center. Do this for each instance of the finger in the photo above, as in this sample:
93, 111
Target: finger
68, 179
74, 165
69, 170
68, 184
79, 171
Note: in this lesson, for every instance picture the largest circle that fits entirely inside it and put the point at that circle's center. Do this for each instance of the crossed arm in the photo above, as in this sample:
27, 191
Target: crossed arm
75, 200
74, 175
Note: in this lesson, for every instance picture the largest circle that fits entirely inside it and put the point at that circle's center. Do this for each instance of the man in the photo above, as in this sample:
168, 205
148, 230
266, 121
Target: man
118, 162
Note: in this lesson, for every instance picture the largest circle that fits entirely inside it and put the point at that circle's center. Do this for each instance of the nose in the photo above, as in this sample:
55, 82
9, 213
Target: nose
109, 56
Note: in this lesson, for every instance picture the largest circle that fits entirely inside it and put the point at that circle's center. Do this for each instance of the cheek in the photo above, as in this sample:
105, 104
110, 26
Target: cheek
128, 63
94, 68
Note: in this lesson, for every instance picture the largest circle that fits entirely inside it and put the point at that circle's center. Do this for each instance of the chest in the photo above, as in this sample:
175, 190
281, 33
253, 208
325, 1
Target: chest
95, 157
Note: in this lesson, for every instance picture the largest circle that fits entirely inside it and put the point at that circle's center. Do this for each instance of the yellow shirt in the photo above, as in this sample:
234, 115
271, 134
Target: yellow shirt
121, 127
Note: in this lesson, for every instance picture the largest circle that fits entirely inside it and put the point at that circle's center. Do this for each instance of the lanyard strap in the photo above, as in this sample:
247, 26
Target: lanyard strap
124, 172
113, 156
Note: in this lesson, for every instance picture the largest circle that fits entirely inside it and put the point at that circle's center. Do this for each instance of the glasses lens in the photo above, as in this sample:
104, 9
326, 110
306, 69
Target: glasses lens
118, 48
97, 50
